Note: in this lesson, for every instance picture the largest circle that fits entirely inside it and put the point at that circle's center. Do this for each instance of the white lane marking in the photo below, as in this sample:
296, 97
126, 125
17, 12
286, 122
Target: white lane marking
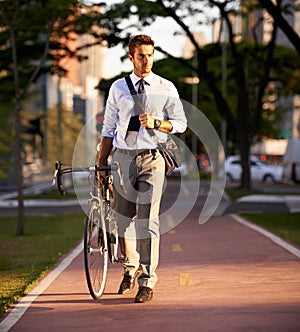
25, 302
276, 239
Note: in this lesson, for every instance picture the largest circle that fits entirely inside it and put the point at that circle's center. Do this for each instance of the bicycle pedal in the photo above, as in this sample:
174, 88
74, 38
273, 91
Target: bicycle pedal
120, 259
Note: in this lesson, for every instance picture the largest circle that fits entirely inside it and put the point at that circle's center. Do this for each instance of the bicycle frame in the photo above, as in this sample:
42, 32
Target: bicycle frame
100, 238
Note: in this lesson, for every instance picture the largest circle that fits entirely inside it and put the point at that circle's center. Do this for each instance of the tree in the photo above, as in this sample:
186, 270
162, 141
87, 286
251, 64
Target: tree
71, 127
276, 10
33, 37
244, 116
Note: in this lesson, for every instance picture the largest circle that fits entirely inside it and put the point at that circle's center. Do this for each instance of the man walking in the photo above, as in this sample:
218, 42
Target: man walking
125, 134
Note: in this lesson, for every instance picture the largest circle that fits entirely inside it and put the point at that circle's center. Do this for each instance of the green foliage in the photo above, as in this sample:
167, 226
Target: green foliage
42, 32
71, 126
284, 81
179, 75
33, 24
286, 71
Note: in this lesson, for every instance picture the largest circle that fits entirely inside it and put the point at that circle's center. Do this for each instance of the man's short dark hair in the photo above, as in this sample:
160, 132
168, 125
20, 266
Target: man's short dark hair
138, 40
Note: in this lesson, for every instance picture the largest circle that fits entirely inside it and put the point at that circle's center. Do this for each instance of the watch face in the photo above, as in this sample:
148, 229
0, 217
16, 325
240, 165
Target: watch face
157, 123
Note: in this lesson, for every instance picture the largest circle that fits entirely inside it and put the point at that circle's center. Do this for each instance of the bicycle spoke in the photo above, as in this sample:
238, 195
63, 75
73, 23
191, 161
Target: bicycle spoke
95, 253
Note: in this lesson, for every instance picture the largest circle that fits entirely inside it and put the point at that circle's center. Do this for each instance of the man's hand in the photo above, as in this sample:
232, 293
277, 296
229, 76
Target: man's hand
146, 120
105, 148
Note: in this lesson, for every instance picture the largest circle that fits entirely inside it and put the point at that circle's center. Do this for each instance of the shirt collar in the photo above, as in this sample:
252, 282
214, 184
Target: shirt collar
148, 79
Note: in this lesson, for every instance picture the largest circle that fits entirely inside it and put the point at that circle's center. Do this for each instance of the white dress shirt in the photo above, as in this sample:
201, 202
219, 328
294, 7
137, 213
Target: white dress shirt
162, 102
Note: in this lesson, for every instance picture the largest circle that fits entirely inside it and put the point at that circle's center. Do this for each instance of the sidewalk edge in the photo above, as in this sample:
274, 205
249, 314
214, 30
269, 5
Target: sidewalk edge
276, 239
17, 312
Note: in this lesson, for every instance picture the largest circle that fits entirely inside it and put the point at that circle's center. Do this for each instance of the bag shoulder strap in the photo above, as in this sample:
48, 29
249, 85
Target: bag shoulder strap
141, 110
139, 107
130, 85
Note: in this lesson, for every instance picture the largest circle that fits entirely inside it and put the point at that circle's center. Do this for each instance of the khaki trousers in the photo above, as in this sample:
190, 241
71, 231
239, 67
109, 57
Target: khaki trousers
137, 207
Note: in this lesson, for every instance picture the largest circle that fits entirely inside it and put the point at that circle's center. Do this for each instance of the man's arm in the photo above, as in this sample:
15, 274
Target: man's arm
147, 121
105, 150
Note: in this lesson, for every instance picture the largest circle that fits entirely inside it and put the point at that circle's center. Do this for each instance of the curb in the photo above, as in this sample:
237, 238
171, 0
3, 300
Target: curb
276, 239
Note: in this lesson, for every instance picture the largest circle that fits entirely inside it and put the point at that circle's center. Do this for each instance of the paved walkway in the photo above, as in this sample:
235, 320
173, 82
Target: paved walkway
219, 276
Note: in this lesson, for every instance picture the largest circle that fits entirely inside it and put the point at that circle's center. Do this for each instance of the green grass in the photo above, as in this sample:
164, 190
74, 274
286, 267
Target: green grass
25, 259
285, 225
53, 194
235, 193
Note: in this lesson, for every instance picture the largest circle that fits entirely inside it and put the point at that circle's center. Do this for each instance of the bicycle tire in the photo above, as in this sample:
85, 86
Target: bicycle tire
95, 251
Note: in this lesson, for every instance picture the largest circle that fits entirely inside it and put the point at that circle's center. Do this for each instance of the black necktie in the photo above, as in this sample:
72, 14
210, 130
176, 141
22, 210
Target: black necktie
134, 123
141, 87
142, 95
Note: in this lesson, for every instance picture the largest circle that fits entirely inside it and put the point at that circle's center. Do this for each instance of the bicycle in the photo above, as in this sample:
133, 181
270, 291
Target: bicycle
100, 227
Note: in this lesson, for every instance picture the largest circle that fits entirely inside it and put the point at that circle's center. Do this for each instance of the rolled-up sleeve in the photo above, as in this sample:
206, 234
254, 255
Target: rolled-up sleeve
111, 115
175, 112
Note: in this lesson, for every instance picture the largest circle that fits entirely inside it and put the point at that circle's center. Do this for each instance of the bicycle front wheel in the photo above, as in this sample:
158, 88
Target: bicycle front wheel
95, 252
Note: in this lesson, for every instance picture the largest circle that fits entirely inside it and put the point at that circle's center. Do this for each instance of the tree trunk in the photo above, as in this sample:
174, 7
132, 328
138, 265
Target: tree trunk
59, 118
243, 125
18, 142
243, 138
282, 23
19, 170
244, 153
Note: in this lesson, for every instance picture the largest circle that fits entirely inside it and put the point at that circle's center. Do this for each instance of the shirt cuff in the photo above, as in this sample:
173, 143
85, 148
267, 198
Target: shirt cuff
177, 127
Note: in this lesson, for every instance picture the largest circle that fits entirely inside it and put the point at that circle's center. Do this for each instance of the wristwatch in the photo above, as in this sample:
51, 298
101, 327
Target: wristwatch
157, 123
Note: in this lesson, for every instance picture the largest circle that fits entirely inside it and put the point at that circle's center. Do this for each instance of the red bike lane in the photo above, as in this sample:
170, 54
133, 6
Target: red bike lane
219, 276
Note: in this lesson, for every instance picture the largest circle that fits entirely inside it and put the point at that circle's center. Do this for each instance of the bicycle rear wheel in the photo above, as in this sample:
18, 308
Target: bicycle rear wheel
95, 251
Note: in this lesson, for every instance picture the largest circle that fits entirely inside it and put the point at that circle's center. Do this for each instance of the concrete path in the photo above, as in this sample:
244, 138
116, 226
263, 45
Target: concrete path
219, 276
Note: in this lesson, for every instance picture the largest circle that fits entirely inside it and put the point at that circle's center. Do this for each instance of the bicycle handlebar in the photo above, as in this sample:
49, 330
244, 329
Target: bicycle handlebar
59, 171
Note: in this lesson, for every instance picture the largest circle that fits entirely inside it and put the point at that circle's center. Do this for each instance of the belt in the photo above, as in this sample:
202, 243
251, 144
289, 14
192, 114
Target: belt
133, 153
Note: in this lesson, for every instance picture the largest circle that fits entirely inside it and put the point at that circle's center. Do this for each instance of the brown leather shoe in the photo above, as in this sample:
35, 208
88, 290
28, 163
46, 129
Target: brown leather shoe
126, 285
144, 294
128, 282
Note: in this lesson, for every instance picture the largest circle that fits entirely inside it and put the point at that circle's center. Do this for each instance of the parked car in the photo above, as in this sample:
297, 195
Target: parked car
259, 171
291, 161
